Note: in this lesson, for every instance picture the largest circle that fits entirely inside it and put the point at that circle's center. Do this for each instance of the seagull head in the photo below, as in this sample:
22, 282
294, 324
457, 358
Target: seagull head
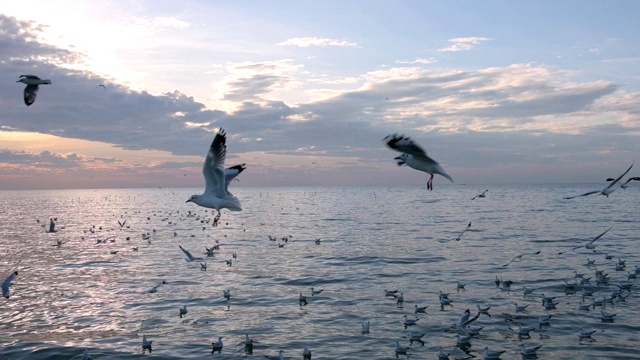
193, 198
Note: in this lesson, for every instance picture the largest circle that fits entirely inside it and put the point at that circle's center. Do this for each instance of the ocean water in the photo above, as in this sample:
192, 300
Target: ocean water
81, 296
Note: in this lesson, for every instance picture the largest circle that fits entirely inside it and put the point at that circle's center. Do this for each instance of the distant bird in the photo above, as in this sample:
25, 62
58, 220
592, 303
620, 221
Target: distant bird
85, 355
217, 346
365, 328
278, 357
519, 257
409, 322
420, 309
624, 185
529, 351
606, 191
306, 354
52, 226
590, 245
183, 311
189, 257
316, 292
155, 288
31, 90
492, 354
401, 350
203, 266
122, 223
102, 86
414, 156
6, 292
443, 354
146, 344
464, 231
480, 195
226, 294
302, 299
216, 193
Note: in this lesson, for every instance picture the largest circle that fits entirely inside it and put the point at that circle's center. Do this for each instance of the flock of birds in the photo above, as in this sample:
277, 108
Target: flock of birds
217, 196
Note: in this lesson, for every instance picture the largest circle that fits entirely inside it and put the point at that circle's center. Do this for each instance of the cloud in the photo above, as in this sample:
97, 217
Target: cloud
486, 119
464, 44
316, 41
162, 22
419, 61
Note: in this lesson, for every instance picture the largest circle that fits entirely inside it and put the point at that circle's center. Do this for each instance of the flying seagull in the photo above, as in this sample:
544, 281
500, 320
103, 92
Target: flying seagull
480, 195
6, 292
624, 185
414, 156
30, 91
216, 194
606, 191
189, 257
590, 244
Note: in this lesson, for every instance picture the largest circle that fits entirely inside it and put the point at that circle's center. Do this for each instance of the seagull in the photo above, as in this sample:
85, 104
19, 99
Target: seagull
606, 191
316, 292
464, 231
306, 354
248, 344
146, 344
122, 223
606, 316
226, 294
302, 299
624, 185
519, 257
155, 288
480, 195
85, 355
203, 266
492, 354
584, 334
400, 350
278, 357
483, 310
216, 193
443, 355
520, 308
390, 292
529, 351
409, 322
421, 309
189, 257
365, 328
30, 91
217, 346
414, 156
6, 292
183, 311
416, 336
590, 244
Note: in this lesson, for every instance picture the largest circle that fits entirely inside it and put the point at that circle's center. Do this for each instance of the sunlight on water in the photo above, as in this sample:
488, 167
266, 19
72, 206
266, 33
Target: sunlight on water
82, 294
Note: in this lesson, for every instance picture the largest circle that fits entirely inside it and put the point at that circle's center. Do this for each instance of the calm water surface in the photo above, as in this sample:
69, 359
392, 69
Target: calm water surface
80, 295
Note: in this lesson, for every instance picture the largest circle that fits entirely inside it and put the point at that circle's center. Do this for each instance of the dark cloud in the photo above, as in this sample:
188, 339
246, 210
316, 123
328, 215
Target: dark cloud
443, 111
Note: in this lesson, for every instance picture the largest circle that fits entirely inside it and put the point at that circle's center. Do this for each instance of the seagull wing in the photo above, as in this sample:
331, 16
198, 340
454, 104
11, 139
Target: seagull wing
599, 236
632, 179
5, 285
404, 144
30, 77
618, 179
585, 194
30, 93
213, 168
231, 173
186, 252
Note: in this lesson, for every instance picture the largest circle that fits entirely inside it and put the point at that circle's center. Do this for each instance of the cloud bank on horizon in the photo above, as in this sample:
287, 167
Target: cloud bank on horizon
309, 109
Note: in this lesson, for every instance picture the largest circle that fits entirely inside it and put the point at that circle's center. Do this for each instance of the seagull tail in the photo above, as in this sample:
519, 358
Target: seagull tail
441, 171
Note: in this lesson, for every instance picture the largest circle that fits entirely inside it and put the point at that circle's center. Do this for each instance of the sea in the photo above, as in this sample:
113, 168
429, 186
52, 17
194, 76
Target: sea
73, 293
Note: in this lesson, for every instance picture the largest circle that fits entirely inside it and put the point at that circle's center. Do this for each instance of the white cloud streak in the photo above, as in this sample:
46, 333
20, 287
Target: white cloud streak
464, 44
316, 41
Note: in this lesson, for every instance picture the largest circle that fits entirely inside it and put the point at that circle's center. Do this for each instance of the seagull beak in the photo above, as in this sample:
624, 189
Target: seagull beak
397, 158
188, 201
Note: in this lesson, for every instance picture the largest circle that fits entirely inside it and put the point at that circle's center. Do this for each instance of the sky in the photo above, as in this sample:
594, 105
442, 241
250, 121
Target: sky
495, 91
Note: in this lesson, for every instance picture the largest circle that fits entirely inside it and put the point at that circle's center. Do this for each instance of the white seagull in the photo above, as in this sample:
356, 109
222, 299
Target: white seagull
146, 344
216, 193
365, 328
183, 311
217, 346
624, 185
606, 191
529, 351
492, 354
189, 257
590, 245
6, 292
278, 357
31, 90
414, 156
464, 231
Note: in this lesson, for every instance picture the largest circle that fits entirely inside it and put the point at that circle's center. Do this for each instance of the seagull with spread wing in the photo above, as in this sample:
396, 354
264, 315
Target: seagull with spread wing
624, 185
217, 178
31, 90
590, 245
414, 156
606, 191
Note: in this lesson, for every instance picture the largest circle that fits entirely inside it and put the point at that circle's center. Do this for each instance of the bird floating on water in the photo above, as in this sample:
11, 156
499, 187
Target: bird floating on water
31, 90
415, 157
216, 193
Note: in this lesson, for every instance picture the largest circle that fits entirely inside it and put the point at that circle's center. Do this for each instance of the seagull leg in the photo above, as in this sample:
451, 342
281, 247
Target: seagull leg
216, 219
430, 183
